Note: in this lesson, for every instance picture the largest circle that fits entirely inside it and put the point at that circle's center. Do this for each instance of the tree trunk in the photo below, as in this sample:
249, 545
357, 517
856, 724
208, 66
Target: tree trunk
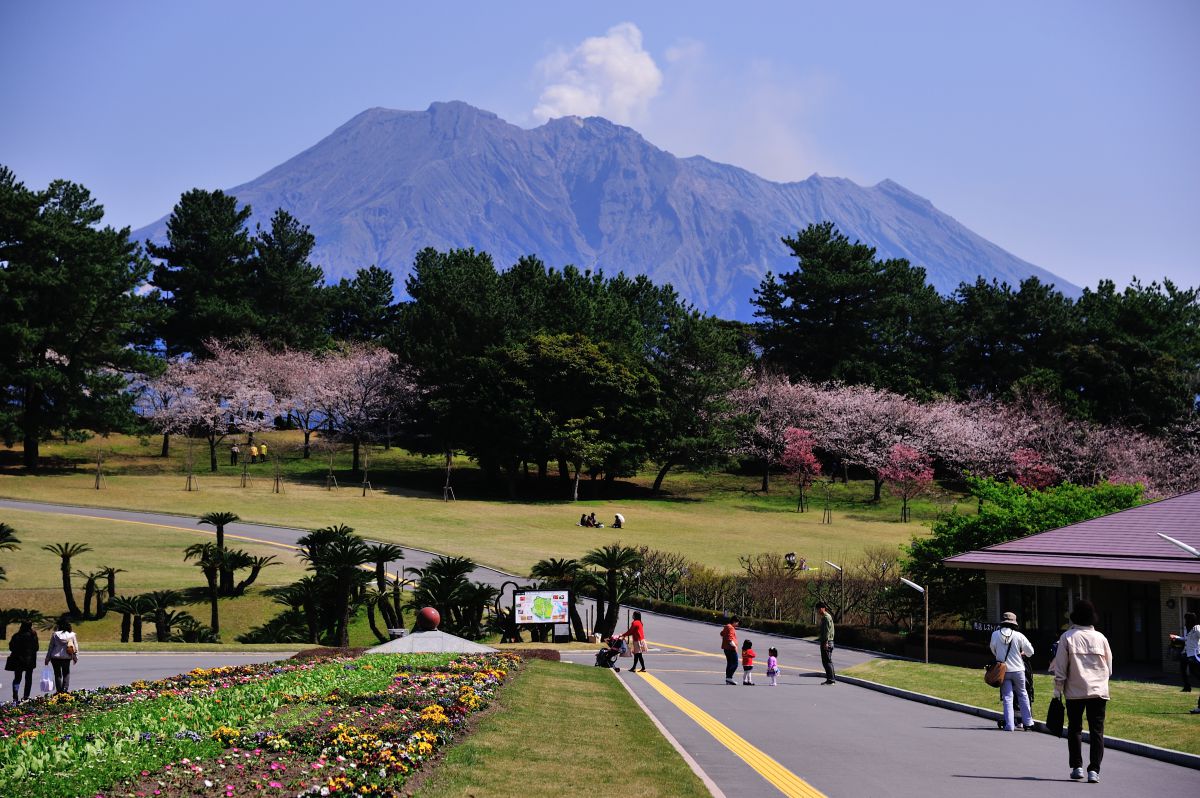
212, 454
577, 622
878, 489
126, 622
510, 477
354, 448
543, 468
89, 592
564, 470
575, 485
31, 426
307, 448
662, 474
344, 622
380, 636
766, 480
166, 445
137, 628
68, 593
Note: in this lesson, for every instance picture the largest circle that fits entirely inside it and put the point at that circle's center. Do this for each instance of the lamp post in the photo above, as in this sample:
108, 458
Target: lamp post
925, 593
841, 589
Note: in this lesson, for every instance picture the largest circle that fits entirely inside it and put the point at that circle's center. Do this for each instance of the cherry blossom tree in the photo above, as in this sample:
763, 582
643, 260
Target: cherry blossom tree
908, 473
364, 392
301, 378
770, 404
217, 396
800, 462
1029, 470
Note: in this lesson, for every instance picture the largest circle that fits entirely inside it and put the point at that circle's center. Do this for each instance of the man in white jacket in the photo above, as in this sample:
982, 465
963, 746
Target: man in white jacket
1082, 668
1010, 647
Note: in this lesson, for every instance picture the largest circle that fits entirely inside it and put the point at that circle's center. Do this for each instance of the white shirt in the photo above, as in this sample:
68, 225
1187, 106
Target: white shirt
1191, 643
1020, 645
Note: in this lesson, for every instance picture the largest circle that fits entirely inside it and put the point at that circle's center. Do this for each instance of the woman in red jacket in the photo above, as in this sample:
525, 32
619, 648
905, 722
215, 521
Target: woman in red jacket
637, 642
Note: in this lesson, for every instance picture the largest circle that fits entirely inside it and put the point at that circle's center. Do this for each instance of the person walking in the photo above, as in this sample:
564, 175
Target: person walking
262, 452
253, 454
1191, 650
729, 647
23, 659
1011, 647
825, 640
62, 651
748, 656
773, 665
1082, 668
234, 451
637, 641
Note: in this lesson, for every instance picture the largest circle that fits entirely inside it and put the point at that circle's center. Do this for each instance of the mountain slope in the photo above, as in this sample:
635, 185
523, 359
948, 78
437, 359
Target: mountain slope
588, 192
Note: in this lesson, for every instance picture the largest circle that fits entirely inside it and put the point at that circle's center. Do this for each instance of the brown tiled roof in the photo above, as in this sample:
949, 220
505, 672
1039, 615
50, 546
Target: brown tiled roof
1124, 541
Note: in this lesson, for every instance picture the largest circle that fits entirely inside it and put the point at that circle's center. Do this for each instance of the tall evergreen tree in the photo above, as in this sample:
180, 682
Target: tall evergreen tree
844, 315
286, 290
71, 318
204, 272
361, 308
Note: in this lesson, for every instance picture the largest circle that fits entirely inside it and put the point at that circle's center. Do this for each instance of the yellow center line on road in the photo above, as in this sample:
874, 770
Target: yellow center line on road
780, 777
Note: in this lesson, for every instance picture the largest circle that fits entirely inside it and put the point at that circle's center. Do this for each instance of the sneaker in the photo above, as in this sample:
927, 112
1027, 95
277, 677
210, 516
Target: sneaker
730, 681
1195, 711
1030, 727
829, 681
1093, 777
1077, 773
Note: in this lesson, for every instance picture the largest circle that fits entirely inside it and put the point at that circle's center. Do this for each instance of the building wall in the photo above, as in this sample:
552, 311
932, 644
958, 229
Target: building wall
1170, 619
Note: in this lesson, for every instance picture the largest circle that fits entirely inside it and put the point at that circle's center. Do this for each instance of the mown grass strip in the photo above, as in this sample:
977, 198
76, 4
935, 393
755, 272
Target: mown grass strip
1148, 713
566, 731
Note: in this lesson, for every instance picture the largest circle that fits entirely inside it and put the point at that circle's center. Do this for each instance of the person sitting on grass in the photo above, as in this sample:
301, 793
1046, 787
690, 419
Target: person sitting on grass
583, 520
618, 521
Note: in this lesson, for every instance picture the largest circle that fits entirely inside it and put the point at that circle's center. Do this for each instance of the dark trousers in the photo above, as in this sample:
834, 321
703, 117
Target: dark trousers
1095, 708
731, 662
62, 675
17, 676
1193, 667
636, 659
827, 660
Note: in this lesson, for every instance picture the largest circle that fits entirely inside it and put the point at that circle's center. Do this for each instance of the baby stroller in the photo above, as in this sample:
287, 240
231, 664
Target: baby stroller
607, 656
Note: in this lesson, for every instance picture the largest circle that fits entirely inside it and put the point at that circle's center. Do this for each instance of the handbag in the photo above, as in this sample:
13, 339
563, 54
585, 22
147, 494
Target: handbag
994, 675
71, 648
1055, 714
10, 664
47, 680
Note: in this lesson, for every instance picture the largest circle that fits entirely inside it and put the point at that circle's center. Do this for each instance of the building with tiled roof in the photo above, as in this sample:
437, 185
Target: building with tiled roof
1140, 583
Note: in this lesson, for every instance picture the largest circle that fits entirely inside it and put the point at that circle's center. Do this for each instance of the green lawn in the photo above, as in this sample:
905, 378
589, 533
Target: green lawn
1149, 713
712, 519
152, 559
520, 749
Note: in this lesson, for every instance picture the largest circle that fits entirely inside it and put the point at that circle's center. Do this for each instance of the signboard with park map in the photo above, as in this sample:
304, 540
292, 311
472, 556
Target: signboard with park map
542, 606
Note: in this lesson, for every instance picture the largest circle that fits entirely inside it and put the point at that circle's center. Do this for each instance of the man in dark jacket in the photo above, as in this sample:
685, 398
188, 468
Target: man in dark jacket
825, 640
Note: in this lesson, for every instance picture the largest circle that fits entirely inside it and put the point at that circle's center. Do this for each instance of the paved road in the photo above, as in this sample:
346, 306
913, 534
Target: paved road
107, 668
808, 739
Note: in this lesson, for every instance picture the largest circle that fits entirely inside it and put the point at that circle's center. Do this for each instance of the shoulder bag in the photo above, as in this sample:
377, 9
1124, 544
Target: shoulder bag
1054, 717
994, 675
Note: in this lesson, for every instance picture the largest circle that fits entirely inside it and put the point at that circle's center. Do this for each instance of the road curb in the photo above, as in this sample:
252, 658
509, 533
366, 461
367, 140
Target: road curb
1116, 743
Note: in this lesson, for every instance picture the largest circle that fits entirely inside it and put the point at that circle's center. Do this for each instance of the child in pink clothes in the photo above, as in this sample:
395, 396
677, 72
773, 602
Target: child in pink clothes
773, 665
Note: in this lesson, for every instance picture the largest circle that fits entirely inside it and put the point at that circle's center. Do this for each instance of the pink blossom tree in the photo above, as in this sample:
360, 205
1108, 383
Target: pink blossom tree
800, 462
365, 391
770, 404
301, 378
1029, 470
217, 396
908, 473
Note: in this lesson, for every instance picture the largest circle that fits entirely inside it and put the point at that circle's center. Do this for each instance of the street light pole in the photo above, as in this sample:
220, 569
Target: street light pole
924, 592
841, 589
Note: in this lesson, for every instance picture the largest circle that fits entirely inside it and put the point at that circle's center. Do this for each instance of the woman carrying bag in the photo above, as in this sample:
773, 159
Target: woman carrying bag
1010, 647
23, 659
63, 650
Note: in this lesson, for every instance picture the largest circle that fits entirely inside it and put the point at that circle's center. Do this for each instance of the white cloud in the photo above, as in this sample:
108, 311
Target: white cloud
610, 76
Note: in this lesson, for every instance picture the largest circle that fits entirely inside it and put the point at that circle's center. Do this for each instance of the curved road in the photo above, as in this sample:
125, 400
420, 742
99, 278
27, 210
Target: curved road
800, 738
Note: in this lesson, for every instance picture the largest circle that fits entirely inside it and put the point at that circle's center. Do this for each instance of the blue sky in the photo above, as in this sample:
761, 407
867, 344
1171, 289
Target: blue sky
1065, 132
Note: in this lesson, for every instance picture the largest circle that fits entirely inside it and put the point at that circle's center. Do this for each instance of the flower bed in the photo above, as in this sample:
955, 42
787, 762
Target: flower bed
327, 727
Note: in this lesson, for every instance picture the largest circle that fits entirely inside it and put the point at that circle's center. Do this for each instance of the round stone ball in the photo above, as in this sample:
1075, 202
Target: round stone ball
428, 619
